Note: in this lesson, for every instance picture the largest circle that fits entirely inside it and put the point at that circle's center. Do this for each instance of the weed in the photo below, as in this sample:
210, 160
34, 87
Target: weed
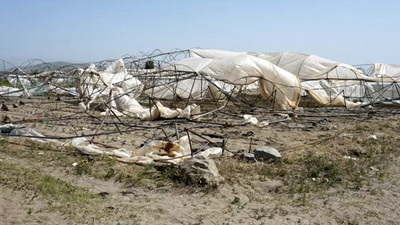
61, 195
260, 213
83, 168
324, 170
363, 127
235, 200
110, 174
3, 143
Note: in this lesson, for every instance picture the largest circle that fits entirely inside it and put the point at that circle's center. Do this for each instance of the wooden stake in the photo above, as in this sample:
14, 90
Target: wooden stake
251, 140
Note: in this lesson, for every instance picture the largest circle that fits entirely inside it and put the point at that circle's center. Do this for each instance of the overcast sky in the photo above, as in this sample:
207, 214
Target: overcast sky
352, 32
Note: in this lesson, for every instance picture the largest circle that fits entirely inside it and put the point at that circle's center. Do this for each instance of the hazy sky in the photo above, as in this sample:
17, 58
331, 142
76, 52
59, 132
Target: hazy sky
77, 31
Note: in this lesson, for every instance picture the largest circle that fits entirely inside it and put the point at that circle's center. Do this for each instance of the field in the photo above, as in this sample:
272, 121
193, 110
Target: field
338, 167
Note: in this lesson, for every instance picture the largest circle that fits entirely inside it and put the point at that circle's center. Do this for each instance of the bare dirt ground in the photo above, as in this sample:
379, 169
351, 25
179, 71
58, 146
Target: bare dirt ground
339, 167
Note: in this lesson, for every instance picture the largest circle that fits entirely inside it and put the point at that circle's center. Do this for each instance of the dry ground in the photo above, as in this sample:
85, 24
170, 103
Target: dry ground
333, 172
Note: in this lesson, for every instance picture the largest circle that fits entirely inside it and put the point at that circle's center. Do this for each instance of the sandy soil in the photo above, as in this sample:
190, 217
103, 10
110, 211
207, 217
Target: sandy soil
19, 207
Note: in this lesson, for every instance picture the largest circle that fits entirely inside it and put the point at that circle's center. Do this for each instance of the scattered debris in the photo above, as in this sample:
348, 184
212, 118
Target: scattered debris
183, 92
248, 157
349, 157
254, 121
103, 194
202, 171
248, 134
373, 168
90, 158
265, 153
372, 136
211, 152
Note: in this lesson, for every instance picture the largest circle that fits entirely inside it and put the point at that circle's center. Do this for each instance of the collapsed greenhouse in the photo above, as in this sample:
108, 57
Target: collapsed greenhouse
167, 92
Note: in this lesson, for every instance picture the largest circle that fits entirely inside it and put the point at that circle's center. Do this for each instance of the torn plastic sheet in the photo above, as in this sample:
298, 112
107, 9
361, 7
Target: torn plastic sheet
93, 84
254, 121
188, 88
6, 91
7, 128
84, 146
314, 71
173, 152
348, 82
311, 66
323, 93
17, 131
123, 104
381, 70
244, 69
211, 152
18, 81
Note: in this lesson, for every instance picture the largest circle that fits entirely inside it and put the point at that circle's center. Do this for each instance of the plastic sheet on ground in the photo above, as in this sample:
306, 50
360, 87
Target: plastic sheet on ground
13, 130
84, 146
254, 121
123, 104
173, 152
211, 152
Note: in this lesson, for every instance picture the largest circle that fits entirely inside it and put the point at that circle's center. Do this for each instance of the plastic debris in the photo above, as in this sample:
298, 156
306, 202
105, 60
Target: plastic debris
254, 121
211, 152
266, 153
372, 136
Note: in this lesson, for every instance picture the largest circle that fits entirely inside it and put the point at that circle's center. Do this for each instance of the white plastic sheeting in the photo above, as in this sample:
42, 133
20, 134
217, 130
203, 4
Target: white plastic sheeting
244, 69
16, 130
120, 89
254, 121
386, 77
18, 81
122, 104
382, 70
22, 86
311, 66
174, 152
10, 91
84, 146
322, 92
314, 72
188, 88
93, 84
